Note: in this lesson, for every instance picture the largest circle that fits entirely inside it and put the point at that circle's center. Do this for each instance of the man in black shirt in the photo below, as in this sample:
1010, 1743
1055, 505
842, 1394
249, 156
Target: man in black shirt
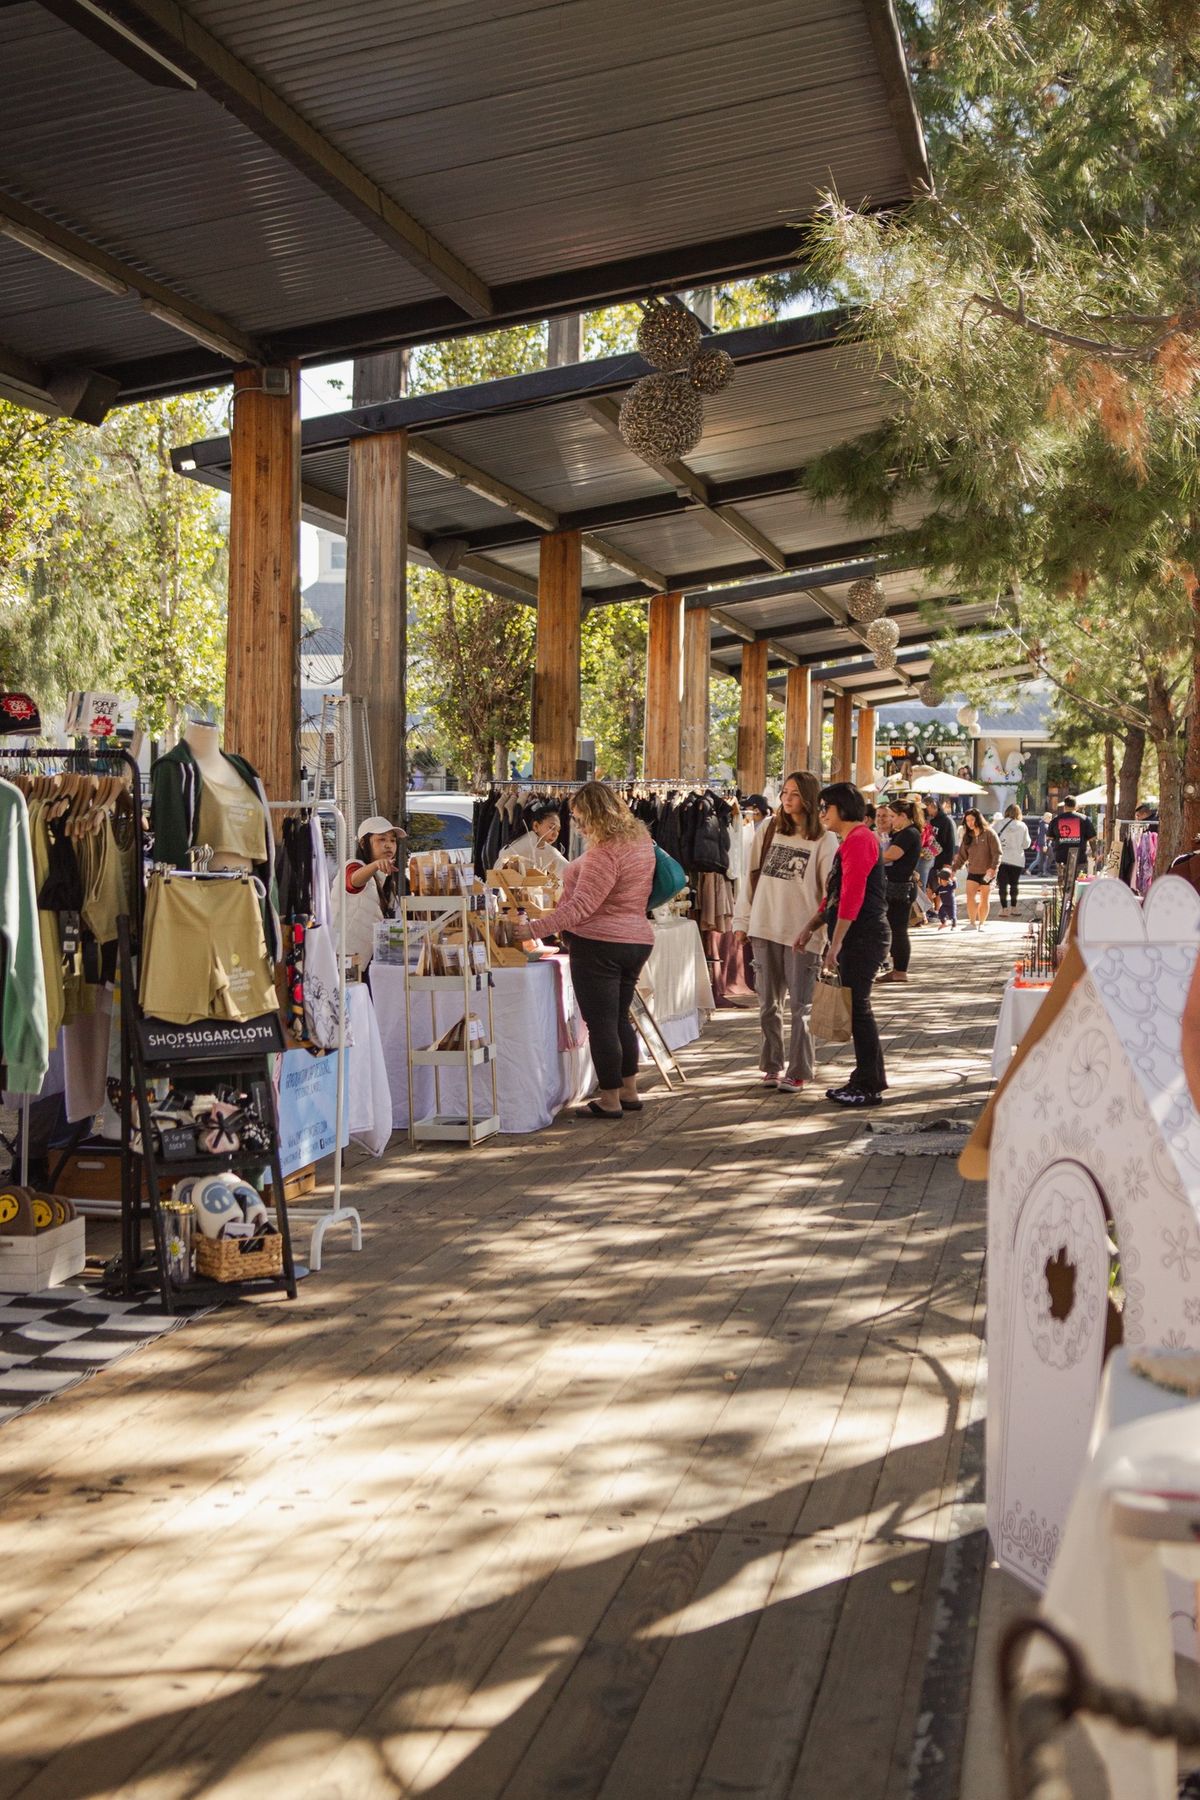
946, 835
1068, 831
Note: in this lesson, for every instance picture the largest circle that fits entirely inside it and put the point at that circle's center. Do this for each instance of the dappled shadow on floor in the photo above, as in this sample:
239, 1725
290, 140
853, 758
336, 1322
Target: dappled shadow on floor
609, 1467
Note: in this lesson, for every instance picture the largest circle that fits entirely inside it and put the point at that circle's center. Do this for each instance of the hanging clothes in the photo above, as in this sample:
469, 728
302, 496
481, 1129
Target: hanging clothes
24, 1024
177, 795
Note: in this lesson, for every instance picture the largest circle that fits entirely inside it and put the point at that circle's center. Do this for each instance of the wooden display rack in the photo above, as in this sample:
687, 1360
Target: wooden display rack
453, 918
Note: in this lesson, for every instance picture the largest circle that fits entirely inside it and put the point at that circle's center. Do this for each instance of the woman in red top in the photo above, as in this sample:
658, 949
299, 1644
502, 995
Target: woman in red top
855, 913
602, 918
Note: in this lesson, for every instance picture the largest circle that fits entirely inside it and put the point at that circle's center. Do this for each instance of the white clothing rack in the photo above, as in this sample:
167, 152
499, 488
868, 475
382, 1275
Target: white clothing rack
322, 1218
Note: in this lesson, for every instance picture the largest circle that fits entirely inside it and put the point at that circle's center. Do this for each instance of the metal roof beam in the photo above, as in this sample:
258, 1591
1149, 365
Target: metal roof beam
683, 479
33, 231
501, 493
169, 29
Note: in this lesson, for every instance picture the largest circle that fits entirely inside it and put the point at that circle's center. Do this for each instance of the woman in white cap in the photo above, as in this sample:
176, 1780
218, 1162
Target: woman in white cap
372, 887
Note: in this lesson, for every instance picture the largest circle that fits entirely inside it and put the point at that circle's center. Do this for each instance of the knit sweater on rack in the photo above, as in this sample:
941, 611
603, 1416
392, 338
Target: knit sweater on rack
605, 894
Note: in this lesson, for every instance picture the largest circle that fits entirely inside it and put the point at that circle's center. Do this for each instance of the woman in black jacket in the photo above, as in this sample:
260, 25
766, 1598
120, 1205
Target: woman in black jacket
900, 857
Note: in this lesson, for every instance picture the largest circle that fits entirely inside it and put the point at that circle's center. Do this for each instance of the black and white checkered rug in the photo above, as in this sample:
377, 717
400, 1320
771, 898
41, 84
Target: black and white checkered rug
51, 1341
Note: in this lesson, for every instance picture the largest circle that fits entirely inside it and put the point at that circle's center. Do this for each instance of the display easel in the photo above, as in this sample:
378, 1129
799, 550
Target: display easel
442, 1126
322, 1218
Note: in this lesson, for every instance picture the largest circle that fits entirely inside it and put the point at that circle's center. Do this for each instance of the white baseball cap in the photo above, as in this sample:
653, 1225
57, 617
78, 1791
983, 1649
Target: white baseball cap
375, 827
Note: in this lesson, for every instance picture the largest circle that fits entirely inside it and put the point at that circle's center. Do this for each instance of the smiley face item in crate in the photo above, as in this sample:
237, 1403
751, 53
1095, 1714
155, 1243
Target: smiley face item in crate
224, 1206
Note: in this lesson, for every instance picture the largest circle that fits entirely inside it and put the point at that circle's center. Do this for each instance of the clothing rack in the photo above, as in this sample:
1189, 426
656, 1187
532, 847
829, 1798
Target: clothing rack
527, 784
323, 1217
87, 762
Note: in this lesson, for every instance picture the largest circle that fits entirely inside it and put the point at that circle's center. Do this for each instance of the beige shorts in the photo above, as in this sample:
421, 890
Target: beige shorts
204, 955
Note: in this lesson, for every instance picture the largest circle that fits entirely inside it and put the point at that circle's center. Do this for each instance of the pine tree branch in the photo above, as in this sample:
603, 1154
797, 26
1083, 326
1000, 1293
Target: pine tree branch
1167, 326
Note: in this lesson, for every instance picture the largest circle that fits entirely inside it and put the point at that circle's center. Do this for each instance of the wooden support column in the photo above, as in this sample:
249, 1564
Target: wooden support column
556, 685
816, 726
796, 726
376, 629
864, 758
662, 741
693, 762
843, 728
752, 720
262, 667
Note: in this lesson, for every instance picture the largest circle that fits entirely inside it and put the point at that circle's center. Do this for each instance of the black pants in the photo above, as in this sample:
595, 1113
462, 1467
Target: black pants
897, 917
1008, 880
604, 976
858, 966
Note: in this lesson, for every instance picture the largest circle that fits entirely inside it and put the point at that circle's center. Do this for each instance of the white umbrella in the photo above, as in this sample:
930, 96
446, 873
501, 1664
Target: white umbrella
1093, 797
944, 784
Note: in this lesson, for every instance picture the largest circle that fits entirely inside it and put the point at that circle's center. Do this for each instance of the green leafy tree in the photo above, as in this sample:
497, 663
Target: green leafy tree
471, 660
118, 575
613, 680
1037, 317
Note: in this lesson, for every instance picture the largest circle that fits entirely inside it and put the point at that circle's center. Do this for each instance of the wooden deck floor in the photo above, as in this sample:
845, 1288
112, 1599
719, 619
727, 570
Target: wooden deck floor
617, 1466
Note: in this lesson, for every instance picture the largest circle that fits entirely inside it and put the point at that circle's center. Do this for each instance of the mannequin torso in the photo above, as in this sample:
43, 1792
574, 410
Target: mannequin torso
231, 819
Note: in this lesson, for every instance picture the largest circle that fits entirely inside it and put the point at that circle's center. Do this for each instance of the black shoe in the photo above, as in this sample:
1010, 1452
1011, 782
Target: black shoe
848, 1096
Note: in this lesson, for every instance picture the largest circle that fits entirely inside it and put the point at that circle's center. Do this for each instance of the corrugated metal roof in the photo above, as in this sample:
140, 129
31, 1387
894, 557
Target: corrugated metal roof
538, 143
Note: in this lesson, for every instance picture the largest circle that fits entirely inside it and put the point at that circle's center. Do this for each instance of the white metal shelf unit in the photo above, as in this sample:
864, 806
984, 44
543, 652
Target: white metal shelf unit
421, 914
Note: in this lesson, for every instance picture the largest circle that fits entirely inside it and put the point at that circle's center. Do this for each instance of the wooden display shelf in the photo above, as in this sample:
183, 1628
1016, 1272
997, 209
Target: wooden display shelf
450, 1128
444, 1059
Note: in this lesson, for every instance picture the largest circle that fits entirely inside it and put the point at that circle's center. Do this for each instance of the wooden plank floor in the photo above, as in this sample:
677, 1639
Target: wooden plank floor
617, 1466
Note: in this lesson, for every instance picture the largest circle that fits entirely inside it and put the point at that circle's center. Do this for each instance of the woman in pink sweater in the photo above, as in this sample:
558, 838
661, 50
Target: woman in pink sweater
602, 918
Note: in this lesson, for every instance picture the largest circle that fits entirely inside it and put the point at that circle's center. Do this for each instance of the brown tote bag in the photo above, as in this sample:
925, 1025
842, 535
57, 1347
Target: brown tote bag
830, 1017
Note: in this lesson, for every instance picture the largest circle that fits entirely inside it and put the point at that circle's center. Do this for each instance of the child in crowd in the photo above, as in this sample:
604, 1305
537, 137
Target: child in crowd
945, 894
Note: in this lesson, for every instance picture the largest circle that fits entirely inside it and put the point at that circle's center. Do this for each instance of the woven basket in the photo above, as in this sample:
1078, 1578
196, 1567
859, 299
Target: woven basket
222, 1259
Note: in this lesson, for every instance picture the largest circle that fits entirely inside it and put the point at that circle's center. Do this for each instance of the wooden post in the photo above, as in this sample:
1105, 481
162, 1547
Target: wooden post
752, 720
693, 761
843, 727
556, 686
377, 602
376, 629
816, 726
797, 730
864, 761
664, 668
262, 668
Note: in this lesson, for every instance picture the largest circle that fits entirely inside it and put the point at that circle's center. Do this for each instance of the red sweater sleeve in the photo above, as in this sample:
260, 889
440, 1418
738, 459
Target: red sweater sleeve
351, 869
859, 853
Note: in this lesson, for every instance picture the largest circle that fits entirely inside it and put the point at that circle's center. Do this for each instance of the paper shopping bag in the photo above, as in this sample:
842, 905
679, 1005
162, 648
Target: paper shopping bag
830, 1016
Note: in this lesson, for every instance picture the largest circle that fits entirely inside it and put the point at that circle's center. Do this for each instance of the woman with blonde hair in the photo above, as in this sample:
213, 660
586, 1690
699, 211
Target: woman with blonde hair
603, 921
790, 862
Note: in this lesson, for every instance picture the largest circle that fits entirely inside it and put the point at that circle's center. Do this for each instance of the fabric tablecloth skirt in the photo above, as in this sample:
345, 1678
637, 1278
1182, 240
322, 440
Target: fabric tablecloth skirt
535, 1077
1018, 1009
368, 1095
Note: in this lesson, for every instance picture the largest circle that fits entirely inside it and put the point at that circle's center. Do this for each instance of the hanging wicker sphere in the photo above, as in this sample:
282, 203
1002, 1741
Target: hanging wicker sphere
662, 417
711, 369
865, 600
885, 659
967, 715
929, 692
883, 634
669, 335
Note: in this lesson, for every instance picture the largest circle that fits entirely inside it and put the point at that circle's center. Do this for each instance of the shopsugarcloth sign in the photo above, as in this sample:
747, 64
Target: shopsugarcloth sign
307, 1108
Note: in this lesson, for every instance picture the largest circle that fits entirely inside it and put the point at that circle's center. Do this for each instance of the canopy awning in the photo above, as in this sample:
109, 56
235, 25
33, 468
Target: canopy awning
190, 185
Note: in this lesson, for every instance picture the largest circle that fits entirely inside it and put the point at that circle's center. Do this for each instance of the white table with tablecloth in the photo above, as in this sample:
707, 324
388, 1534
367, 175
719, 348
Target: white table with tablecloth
542, 1059
1018, 1009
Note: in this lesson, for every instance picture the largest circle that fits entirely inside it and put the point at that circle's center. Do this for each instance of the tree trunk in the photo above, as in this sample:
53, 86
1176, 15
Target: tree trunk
1164, 735
1129, 775
500, 760
1190, 798
1110, 793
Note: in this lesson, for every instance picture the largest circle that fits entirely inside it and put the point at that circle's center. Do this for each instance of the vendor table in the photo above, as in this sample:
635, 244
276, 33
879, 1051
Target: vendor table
1018, 1008
1139, 1496
538, 1070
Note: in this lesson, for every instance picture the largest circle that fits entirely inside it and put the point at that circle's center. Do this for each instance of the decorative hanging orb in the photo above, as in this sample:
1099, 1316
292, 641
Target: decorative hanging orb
662, 417
967, 715
669, 335
883, 634
711, 369
865, 600
974, 731
885, 659
929, 692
